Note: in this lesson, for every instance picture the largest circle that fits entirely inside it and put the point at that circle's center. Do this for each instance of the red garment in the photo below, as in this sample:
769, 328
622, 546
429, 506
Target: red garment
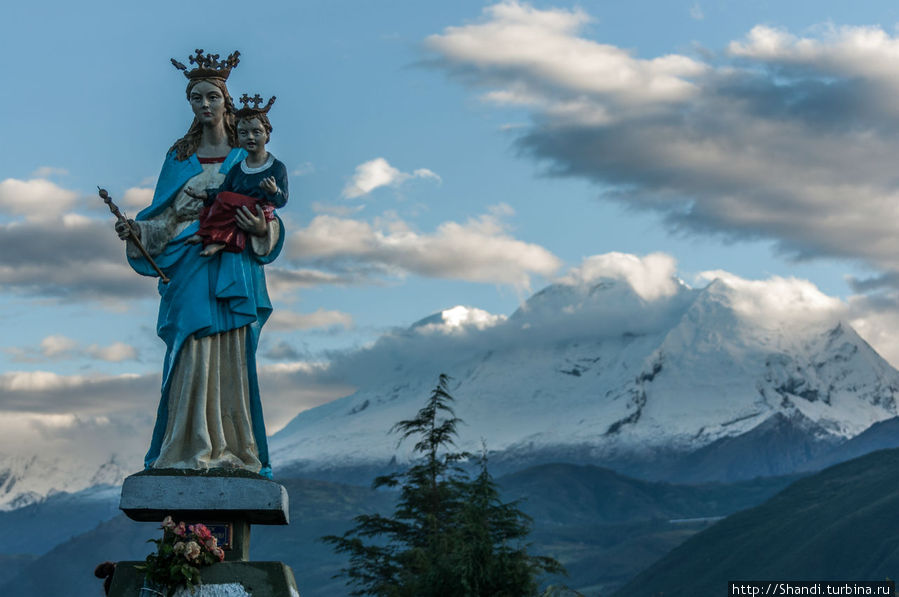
217, 223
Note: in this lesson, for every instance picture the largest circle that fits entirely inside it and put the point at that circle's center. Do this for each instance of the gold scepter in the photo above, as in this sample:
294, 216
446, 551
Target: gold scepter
135, 238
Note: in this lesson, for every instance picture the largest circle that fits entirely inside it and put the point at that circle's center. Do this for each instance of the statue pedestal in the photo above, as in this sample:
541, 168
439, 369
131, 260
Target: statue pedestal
227, 502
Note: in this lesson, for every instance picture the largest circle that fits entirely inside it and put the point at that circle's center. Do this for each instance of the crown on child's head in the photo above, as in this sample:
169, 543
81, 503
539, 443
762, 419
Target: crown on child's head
209, 66
247, 112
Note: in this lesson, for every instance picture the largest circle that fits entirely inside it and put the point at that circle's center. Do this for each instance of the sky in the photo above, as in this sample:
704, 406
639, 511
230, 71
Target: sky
440, 154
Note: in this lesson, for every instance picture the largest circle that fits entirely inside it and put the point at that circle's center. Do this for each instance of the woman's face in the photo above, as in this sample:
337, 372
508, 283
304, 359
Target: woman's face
208, 103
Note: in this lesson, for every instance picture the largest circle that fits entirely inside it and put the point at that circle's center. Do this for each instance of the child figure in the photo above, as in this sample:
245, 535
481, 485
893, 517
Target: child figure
259, 179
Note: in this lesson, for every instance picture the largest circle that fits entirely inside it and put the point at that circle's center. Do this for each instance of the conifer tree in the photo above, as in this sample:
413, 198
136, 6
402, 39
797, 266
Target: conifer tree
450, 535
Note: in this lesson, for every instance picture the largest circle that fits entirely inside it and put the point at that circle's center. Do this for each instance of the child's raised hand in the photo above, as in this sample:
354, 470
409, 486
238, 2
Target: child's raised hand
195, 194
269, 185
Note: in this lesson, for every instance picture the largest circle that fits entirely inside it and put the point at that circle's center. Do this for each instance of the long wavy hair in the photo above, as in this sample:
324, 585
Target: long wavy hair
187, 145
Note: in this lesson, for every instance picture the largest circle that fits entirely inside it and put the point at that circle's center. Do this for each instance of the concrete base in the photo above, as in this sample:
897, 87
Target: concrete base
258, 579
151, 495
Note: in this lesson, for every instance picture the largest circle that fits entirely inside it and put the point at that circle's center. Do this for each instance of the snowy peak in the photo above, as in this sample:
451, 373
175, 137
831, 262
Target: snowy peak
26, 480
601, 367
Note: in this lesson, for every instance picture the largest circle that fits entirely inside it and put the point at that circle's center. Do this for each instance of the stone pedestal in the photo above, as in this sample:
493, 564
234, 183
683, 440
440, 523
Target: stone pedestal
226, 501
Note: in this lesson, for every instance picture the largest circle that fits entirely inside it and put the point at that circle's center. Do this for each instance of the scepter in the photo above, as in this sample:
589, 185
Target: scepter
134, 233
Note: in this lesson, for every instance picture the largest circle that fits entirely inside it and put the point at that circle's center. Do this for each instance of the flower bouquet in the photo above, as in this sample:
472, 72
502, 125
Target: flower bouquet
180, 554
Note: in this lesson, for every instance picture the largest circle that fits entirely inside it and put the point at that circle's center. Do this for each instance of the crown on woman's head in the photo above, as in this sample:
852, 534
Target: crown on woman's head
247, 112
209, 66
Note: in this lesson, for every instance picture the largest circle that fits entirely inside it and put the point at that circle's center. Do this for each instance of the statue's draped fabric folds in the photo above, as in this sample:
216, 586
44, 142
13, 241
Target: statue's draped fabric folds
214, 307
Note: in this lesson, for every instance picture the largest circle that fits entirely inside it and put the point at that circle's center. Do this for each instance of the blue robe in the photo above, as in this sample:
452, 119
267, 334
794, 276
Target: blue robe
206, 296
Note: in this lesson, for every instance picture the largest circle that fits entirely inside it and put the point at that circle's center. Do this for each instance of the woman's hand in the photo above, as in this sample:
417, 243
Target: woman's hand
125, 230
253, 224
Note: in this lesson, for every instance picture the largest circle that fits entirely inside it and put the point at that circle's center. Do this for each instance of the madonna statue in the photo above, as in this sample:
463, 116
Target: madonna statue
213, 309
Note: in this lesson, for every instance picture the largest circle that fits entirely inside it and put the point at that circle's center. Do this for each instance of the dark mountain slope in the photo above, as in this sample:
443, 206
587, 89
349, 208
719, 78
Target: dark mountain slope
839, 524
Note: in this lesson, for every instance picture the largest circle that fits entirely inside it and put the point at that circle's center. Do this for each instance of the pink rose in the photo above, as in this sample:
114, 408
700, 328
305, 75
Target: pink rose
180, 530
219, 553
210, 543
201, 531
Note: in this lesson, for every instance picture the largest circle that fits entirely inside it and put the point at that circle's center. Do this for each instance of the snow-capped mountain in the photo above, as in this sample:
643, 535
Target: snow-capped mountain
26, 480
641, 374
607, 371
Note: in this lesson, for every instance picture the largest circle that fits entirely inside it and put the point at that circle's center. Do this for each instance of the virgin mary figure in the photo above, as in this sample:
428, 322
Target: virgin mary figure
213, 309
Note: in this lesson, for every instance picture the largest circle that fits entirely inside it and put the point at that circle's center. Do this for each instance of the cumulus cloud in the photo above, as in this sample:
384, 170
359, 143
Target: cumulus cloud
304, 169
782, 137
89, 395
136, 397
282, 351
336, 210
48, 171
137, 198
651, 277
283, 320
79, 423
876, 319
379, 173
778, 300
479, 250
459, 319
603, 297
290, 388
535, 58
37, 199
58, 347
70, 257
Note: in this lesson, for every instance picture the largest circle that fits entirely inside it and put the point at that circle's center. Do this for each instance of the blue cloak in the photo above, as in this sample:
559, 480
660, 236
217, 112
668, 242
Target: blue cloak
206, 296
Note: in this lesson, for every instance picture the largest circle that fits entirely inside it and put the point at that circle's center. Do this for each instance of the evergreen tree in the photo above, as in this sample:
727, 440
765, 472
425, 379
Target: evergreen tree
450, 535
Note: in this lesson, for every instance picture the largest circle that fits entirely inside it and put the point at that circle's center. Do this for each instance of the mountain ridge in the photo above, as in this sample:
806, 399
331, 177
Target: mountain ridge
599, 370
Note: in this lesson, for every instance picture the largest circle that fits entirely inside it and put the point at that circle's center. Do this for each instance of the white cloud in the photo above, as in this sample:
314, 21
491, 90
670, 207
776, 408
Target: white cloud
535, 57
58, 347
72, 257
479, 250
696, 12
651, 277
876, 319
604, 297
789, 138
40, 381
866, 52
102, 415
336, 210
37, 199
137, 198
283, 320
461, 318
778, 300
304, 169
379, 173
114, 353
48, 171
53, 346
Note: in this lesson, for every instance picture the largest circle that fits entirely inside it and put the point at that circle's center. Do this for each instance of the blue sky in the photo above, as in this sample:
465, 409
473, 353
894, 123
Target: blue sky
757, 138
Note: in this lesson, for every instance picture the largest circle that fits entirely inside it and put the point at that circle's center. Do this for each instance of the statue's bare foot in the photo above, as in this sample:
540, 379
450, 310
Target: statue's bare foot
212, 249
195, 239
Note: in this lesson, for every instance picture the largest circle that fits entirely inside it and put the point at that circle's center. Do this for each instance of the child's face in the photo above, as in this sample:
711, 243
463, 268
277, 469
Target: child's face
251, 135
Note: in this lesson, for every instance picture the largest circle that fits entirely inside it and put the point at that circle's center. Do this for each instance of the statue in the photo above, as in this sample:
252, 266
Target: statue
261, 180
214, 306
